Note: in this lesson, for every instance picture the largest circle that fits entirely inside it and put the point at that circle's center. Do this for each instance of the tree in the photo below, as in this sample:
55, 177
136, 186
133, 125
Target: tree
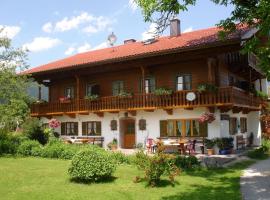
14, 98
253, 13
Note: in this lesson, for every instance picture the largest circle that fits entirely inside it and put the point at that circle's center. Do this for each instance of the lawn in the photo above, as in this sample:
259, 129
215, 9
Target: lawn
37, 178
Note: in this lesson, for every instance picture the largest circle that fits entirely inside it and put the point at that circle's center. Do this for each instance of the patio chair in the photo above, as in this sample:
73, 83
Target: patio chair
191, 147
149, 145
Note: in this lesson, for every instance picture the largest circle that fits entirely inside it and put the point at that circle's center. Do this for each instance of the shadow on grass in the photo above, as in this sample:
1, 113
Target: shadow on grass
212, 173
88, 182
200, 192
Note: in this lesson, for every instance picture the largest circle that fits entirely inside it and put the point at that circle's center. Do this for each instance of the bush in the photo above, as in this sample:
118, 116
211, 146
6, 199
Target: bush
33, 130
90, 165
120, 158
26, 147
186, 162
258, 153
9, 142
156, 166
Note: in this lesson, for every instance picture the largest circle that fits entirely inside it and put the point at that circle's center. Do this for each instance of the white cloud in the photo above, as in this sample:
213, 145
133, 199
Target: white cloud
9, 31
70, 51
189, 29
47, 27
85, 21
100, 23
41, 43
150, 33
132, 5
73, 22
100, 46
85, 47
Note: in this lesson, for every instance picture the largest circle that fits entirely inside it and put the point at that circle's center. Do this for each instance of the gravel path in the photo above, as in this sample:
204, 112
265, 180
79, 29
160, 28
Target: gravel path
255, 181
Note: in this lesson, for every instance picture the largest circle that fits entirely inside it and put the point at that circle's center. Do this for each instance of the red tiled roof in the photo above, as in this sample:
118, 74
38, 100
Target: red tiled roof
188, 40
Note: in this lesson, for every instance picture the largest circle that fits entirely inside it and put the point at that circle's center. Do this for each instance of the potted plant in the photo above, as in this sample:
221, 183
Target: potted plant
207, 87
92, 97
210, 146
124, 94
113, 144
225, 145
64, 99
162, 91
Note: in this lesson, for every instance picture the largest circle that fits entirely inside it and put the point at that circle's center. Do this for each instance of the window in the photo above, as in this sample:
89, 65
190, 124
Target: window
183, 127
233, 126
117, 87
92, 89
243, 124
69, 92
183, 82
69, 128
91, 128
149, 85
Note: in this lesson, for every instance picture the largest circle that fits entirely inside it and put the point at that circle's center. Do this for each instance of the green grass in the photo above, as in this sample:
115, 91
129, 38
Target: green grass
37, 178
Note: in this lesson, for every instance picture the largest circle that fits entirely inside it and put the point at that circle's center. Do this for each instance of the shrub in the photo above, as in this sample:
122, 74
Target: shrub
90, 165
156, 166
9, 142
186, 162
33, 130
258, 153
53, 149
120, 158
27, 146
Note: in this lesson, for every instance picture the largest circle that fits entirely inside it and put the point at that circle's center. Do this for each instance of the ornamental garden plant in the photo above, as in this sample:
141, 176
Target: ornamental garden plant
91, 165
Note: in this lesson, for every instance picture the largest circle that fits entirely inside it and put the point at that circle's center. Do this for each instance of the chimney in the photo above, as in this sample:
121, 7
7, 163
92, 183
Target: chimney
175, 28
129, 41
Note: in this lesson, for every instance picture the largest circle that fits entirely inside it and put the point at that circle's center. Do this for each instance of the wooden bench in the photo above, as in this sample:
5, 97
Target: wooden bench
240, 141
92, 140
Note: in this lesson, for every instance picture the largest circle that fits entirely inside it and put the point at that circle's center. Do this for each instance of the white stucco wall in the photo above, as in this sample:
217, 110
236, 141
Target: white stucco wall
218, 128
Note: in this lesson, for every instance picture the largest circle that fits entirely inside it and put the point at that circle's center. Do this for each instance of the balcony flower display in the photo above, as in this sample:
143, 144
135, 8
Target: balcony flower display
162, 91
92, 97
206, 87
124, 94
64, 99
207, 118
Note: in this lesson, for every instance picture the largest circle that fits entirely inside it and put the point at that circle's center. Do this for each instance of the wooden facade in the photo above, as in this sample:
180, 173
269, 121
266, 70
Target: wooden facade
215, 66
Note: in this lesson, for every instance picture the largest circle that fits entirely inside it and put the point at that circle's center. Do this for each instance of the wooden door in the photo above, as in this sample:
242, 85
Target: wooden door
129, 133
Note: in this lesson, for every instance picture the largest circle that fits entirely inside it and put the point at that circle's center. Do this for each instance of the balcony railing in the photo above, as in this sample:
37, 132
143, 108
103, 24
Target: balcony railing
227, 96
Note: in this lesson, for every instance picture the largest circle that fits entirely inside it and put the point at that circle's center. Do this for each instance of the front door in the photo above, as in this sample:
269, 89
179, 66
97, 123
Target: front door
128, 133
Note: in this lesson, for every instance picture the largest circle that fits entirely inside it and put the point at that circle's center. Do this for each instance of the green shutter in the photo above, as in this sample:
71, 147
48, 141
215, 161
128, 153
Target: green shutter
76, 128
152, 84
98, 124
163, 128
63, 128
84, 128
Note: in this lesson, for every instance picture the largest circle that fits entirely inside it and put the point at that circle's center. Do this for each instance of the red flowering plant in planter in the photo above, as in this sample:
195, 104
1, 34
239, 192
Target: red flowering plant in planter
207, 118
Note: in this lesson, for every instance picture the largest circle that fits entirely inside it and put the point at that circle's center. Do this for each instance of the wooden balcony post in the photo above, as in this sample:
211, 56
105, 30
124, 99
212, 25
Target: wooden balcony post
77, 92
39, 92
211, 62
143, 84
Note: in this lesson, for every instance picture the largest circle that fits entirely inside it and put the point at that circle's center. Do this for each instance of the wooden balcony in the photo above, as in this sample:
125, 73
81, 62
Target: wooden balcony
225, 98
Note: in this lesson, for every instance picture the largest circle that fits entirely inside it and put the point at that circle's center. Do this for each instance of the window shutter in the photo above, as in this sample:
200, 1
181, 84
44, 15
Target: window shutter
163, 128
152, 84
98, 124
63, 128
76, 128
84, 128
95, 89
114, 89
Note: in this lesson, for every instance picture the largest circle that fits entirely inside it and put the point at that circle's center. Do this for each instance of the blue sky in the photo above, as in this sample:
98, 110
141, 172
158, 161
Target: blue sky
56, 29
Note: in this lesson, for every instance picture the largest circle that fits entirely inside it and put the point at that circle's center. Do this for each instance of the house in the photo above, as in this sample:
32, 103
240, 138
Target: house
155, 88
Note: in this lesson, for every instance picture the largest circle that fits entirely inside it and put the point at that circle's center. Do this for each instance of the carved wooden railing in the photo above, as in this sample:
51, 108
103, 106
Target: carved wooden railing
227, 96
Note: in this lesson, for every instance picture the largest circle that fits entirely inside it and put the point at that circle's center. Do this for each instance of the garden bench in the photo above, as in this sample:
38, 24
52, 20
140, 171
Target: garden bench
240, 141
92, 140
